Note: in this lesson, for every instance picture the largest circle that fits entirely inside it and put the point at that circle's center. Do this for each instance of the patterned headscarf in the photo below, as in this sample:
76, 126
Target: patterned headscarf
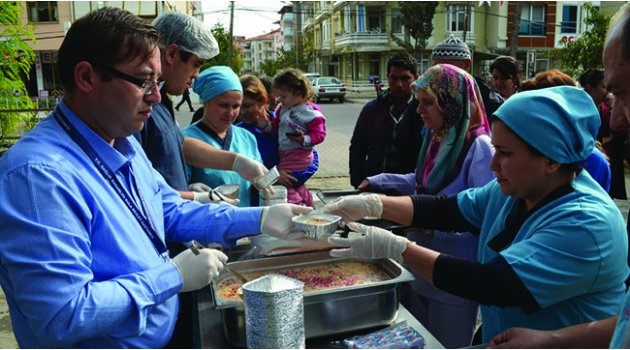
464, 118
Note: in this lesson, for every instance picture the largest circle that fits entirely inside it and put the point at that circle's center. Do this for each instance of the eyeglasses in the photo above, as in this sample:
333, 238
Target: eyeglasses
147, 86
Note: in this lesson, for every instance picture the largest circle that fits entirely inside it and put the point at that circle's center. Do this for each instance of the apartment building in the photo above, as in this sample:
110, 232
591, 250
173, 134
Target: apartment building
261, 48
51, 21
353, 39
287, 27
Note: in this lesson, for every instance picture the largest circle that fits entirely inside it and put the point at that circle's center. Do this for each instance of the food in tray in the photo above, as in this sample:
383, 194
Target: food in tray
316, 224
315, 277
316, 221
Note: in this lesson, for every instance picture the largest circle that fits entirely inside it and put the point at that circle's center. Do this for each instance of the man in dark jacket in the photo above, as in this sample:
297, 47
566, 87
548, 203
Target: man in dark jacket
387, 135
454, 51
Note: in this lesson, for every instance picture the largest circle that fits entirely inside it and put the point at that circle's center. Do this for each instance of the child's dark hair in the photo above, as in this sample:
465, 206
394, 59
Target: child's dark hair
293, 80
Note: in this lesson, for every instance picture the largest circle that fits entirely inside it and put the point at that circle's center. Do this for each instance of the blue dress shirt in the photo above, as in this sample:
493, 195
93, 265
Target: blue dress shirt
75, 265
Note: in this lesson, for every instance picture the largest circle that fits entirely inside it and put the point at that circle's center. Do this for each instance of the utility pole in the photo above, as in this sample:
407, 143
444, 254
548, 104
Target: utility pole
231, 43
297, 7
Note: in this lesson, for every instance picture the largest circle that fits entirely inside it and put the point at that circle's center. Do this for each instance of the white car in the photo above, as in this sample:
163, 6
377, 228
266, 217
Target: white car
310, 76
328, 87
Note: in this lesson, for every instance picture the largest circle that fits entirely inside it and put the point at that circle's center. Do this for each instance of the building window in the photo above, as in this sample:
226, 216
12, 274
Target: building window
532, 21
458, 18
375, 65
374, 20
396, 22
569, 19
423, 63
42, 11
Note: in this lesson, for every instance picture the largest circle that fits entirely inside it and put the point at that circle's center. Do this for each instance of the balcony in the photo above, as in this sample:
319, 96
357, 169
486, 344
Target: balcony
363, 40
470, 37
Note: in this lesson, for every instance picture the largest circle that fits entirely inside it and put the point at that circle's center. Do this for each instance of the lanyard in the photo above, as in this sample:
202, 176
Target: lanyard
141, 217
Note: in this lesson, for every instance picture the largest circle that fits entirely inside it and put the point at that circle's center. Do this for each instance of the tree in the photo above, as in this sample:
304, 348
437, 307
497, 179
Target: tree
299, 56
417, 19
586, 51
223, 39
516, 24
269, 67
16, 58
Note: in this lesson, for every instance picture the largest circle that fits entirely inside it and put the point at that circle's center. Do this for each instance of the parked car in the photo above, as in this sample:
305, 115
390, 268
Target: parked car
328, 87
310, 76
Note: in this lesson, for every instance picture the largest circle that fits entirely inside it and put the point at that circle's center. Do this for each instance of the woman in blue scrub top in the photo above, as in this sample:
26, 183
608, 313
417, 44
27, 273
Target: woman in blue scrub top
221, 91
552, 244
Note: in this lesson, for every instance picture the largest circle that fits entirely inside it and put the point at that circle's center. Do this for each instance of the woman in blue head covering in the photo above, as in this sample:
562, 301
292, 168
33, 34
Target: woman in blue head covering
221, 91
552, 244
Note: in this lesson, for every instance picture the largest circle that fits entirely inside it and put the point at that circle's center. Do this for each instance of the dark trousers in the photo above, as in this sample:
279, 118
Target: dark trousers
185, 98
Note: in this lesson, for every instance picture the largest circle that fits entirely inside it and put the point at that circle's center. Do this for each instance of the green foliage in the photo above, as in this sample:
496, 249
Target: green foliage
269, 68
298, 57
222, 36
417, 19
16, 58
586, 51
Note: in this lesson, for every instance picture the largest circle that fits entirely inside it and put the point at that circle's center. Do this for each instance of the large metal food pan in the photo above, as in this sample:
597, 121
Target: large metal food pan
326, 312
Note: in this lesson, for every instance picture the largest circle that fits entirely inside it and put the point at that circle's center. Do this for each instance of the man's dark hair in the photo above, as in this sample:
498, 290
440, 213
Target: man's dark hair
508, 67
592, 77
104, 37
402, 60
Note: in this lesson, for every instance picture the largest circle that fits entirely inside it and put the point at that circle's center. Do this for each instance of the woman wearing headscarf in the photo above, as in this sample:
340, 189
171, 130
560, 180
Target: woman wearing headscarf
552, 244
455, 155
222, 94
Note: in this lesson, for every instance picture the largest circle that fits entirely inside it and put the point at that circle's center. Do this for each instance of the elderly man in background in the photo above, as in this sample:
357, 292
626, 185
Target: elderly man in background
454, 51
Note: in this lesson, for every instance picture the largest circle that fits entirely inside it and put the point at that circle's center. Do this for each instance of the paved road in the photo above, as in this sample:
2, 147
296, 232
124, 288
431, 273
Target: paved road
333, 152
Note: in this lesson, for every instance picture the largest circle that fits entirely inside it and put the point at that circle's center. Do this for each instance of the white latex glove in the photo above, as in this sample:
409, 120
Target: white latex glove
197, 271
199, 187
276, 220
213, 197
353, 208
249, 169
376, 243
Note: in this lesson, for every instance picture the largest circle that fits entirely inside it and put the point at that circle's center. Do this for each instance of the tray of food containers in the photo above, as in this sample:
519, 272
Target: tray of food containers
340, 294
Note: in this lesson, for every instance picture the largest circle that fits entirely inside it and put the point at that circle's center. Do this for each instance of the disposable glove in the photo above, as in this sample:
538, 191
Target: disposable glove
376, 243
197, 271
208, 195
199, 187
276, 220
249, 169
353, 208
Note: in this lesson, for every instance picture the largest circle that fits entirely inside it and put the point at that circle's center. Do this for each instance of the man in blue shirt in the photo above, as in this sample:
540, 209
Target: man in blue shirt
85, 216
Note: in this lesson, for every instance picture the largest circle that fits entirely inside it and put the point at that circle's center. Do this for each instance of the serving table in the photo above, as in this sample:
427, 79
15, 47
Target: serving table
211, 334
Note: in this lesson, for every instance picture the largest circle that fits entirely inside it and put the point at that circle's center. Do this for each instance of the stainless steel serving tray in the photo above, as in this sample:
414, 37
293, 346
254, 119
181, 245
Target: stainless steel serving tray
326, 312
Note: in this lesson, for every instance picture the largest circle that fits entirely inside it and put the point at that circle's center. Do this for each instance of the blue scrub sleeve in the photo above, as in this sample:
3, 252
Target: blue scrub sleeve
473, 202
555, 267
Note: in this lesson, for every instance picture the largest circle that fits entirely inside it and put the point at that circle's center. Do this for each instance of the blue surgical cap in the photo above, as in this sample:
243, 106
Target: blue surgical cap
216, 80
560, 122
